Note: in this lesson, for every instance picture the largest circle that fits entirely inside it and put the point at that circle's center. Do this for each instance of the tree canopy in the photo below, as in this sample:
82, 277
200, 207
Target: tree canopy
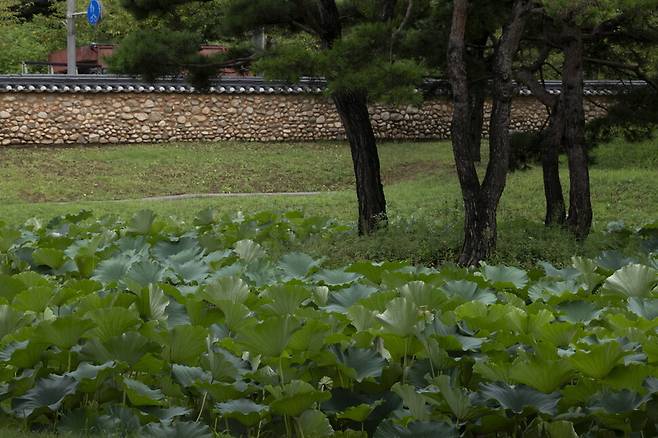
30, 33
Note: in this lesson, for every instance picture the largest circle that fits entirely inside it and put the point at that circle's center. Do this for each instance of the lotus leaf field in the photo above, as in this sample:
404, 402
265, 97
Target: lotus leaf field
150, 327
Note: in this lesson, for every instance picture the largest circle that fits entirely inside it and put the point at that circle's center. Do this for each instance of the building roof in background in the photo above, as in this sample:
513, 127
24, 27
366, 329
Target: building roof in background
238, 85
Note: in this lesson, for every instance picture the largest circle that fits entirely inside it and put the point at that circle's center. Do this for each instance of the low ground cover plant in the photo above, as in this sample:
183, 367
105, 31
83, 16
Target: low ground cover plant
149, 327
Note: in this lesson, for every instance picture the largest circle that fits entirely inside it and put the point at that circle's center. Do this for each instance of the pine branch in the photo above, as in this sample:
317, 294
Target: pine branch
405, 20
305, 28
396, 32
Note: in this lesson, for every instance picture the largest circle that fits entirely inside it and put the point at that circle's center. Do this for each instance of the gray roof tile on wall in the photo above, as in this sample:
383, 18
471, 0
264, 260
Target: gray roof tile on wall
238, 85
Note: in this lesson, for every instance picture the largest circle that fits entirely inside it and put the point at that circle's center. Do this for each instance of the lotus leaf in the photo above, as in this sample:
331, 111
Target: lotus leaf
270, 337
140, 394
336, 277
48, 393
465, 291
179, 429
128, 347
544, 375
505, 276
417, 429
632, 281
245, 411
360, 412
249, 251
185, 343
295, 397
457, 398
64, 332
297, 265
518, 397
599, 360
343, 299
413, 400
314, 423
285, 299
360, 363
112, 322
400, 318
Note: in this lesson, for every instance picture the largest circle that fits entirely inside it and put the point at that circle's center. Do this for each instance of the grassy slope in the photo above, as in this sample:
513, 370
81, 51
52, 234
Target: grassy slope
120, 172
422, 192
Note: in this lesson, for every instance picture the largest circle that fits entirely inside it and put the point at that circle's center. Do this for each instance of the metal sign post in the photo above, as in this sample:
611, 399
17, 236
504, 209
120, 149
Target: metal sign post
71, 68
94, 14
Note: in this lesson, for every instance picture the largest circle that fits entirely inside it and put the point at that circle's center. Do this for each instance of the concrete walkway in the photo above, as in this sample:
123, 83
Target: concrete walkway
196, 196
223, 195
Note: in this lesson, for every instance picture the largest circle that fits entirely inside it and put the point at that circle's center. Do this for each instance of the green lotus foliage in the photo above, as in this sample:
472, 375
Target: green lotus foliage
632, 280
151, 327
244, 410
48, 393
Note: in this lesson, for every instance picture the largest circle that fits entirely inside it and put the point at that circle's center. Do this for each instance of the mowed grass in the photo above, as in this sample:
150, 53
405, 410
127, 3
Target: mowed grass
137, 171
421, 187
17, 432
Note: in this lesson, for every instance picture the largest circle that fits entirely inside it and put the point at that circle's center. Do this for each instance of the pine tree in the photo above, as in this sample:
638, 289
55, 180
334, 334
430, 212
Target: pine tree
481, 198
353, 45
587, 37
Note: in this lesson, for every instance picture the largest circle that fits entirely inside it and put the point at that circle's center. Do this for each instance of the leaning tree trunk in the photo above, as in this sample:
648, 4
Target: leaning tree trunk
352, 107
579, 219
353, 110
461, 133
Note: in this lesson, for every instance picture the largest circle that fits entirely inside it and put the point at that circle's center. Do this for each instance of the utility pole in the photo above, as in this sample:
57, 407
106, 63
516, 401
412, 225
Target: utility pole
71, 67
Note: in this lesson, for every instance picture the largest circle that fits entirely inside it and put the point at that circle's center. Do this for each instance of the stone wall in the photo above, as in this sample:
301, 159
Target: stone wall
77, 118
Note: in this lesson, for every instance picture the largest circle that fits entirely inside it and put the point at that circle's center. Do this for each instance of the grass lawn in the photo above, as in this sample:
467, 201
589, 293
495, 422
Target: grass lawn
121, 172
18, 433
420, 182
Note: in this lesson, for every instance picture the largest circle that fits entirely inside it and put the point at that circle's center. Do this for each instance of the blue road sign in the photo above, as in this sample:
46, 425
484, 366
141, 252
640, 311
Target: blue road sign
94, 12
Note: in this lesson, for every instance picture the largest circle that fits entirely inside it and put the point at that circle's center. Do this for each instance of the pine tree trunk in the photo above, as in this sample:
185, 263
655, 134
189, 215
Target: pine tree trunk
352, 107
353, 110
551, 142
481, 201
473, 246
476, 113
479, 231
550, 161
579, 219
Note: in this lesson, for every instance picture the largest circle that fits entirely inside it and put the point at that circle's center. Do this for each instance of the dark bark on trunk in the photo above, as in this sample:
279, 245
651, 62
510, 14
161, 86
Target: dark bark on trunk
480, 230
579, 219
476, 113
326, 22
478, 72
353, 110
551, 141
461, 136
550, 161
352, 107
388, 9
481, 201
501, 117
